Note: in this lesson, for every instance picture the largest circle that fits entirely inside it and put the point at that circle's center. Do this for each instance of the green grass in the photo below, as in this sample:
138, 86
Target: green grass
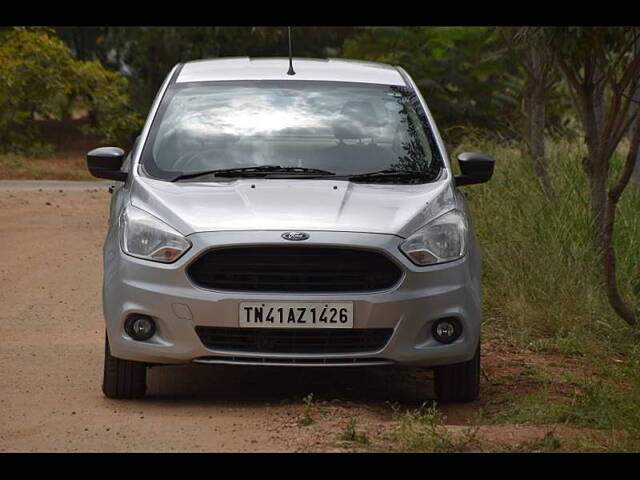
424, 430
542, 284
607, 400
350, 433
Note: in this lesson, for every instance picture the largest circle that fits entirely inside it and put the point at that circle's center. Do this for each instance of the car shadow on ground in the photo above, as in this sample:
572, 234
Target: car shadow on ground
251, 386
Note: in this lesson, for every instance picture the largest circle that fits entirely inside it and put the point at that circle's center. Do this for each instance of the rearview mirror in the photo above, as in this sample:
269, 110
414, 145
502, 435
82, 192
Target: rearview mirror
475, 168
105, 162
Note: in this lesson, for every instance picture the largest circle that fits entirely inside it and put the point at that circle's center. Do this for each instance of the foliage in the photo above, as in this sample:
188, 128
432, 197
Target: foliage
38, 79
106, 97
307, 419
34, 69
350, 434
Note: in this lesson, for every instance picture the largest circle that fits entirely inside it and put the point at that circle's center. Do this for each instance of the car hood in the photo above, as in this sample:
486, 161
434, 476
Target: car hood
292, 204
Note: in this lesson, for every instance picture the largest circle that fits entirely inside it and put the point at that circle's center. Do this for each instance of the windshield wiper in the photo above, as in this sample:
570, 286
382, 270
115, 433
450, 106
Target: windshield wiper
390, 175
256, 171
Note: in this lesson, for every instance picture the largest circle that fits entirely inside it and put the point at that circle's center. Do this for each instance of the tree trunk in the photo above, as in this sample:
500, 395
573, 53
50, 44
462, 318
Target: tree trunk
597, 167
598, 180
608, 257
537, 126
534, 98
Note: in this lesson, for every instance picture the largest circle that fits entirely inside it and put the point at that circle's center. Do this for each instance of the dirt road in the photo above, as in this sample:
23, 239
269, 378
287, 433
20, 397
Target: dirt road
51, 346
51, 353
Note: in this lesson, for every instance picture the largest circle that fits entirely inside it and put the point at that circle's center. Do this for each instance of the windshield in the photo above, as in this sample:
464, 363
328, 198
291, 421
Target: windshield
342, 128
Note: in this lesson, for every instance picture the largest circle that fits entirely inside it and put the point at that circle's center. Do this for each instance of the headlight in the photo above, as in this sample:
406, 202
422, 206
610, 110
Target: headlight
144, 236
441, 240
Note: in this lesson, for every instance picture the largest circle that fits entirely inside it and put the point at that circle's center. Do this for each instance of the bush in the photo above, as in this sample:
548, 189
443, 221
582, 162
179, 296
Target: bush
106, 97
38, 79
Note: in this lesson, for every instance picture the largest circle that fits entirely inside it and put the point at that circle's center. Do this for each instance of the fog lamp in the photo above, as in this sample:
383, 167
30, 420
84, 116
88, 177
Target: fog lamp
447, 330
140, 327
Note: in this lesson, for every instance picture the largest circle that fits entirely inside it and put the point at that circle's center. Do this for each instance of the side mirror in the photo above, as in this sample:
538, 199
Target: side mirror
475, 168
105, 162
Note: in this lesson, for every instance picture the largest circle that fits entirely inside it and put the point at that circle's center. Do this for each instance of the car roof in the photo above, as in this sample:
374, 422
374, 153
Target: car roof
246, 68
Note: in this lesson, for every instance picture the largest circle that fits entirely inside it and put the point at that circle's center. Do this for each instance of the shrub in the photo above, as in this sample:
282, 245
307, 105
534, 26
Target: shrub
38, 79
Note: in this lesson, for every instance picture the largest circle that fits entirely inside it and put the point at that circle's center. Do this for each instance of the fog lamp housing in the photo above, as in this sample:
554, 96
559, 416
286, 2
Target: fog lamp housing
446, 330
140, 327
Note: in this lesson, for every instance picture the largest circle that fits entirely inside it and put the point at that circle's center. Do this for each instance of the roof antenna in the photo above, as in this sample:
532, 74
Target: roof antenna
291, 70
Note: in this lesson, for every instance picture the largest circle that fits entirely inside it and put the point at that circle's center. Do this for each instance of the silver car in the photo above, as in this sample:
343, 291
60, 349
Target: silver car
306, 220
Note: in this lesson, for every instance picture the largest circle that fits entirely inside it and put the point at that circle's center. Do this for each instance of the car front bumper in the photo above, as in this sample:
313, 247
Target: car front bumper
165, 292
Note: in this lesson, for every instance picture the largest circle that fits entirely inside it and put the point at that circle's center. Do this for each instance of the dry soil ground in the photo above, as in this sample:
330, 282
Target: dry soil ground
51, 347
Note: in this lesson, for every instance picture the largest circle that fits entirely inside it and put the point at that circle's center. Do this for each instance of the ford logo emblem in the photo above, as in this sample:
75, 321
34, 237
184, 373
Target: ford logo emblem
295, 236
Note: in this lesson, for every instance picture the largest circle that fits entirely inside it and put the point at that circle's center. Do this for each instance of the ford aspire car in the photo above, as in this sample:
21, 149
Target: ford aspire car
306, 220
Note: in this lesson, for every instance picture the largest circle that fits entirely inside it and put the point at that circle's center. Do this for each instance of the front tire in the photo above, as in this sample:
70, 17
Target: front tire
122, 378
459, 382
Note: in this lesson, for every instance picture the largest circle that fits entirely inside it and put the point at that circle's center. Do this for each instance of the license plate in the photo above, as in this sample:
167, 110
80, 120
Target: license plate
296, 315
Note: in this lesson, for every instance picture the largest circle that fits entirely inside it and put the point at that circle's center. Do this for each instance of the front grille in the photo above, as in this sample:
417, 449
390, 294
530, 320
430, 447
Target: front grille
294, 269
286, 340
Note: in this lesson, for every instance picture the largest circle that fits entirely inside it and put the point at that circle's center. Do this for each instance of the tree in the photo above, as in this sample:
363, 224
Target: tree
601, 66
